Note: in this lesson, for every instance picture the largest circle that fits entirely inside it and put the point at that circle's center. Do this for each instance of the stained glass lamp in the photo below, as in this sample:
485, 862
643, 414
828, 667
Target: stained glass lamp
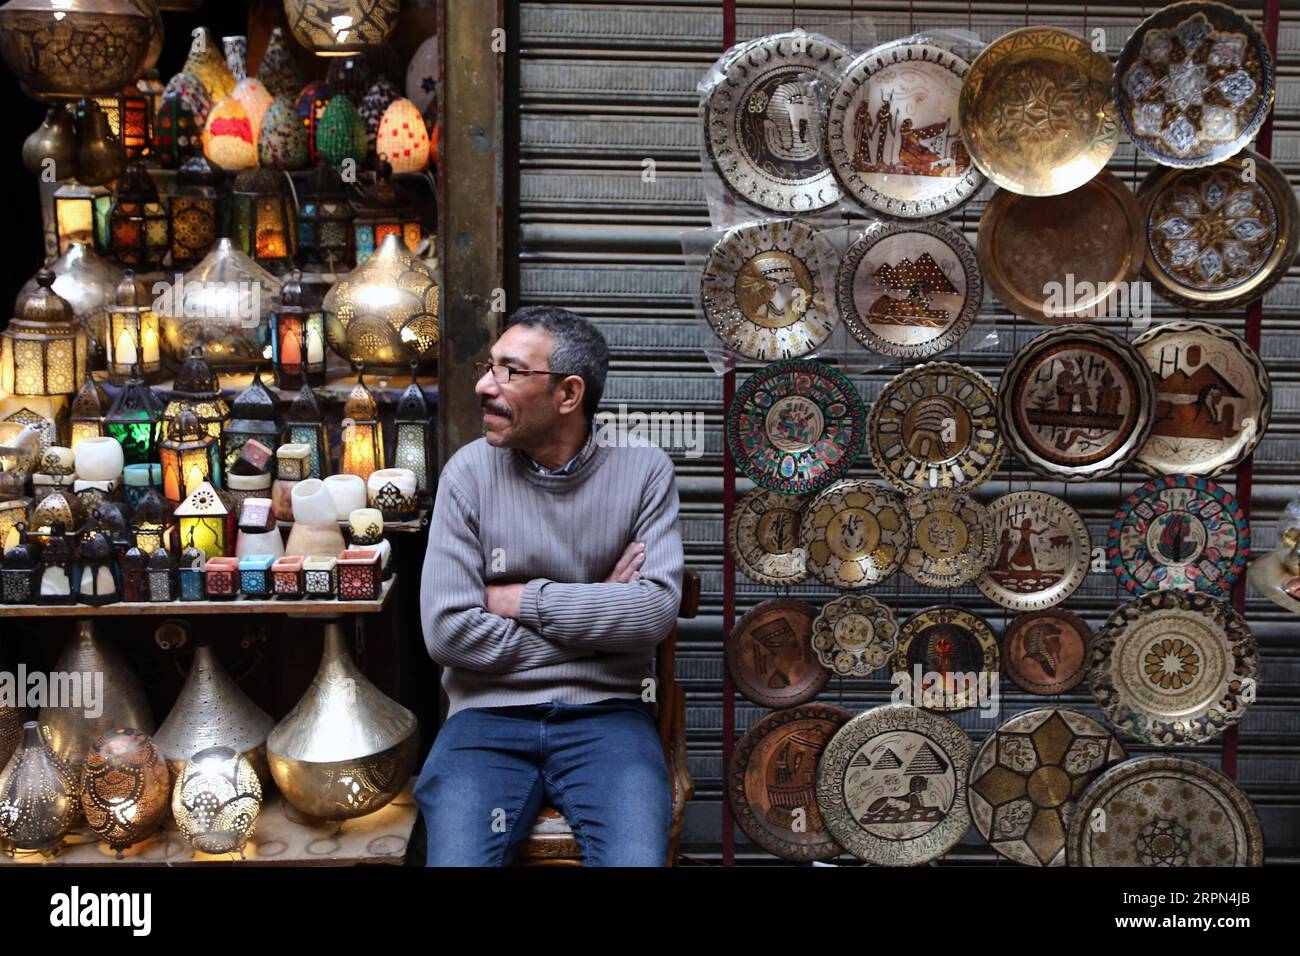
197, 208
304, 425
413, 446
363, 439
262, 218
203, 522
189, 457
81, 214
297, 337
386, 209
325, 222
252, 415
134, 420
137, 226
43, 351
133, 342
198, 389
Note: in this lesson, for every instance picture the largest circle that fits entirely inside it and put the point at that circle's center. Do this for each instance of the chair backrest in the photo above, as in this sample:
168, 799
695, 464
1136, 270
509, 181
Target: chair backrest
666, 656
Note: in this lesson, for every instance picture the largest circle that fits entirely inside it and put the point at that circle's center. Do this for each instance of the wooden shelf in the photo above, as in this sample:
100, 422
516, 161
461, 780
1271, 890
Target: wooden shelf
281, 837
240, 605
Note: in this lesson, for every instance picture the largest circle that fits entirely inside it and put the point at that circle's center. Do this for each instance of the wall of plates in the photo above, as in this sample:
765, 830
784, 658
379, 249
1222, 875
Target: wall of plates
618, 211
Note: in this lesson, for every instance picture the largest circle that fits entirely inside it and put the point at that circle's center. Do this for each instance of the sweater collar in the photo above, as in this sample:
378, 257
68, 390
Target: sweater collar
572, 465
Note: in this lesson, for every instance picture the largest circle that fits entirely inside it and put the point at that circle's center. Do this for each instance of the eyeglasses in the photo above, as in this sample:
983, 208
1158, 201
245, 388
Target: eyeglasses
501, 374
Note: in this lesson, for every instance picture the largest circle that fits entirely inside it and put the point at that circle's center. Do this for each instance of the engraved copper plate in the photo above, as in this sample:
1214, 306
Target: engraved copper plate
1173, 668
794, 427
892, 786
1047, 652
1163, 811
1037, 111
952, 539
1076, 403
1182, 533
773, 778
762, 122
855, 635
1027, 775
1213, 399
769, 655
935, 426
768, 290
1042, 552
892, 133
909, 289
1059, 259
764, 538
1218, 238
854, 534
949, 650
1194, 84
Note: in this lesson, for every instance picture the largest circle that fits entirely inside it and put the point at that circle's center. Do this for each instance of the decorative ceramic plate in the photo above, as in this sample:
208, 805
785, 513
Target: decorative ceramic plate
1173, 668
1066, 258
764, 538
952, 539
891, 786
772, 781
1042, 553
1213, 399
935, 426
891, 131
1194, 84
1047, 652
953, 653
855, 635
1181, 533
1216, 239
770, 658
762, 122
768, 290
794, 427
1163, 811
1076, 403
909, 289
1026, 776
1037, 111
854, 534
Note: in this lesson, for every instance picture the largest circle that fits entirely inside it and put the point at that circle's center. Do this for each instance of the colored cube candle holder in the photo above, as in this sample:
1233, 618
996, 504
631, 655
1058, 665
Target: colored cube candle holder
288, 577
360, 576
255, 574
254, 458
320, 577
221, 578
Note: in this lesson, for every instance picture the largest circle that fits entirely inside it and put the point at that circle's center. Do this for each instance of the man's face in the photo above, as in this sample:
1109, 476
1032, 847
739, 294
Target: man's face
522, 413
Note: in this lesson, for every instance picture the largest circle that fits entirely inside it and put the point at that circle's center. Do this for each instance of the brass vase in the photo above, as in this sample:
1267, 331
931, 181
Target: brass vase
213, 711
55, 140
345, 749
68, 730
38, 798
125, 788
100, 157
216, 800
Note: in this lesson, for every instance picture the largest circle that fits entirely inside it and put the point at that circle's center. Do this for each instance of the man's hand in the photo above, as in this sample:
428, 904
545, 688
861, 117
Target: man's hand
628, 568
503, 600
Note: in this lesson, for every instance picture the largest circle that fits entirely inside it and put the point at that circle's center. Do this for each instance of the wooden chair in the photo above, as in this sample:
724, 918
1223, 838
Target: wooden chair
552, 842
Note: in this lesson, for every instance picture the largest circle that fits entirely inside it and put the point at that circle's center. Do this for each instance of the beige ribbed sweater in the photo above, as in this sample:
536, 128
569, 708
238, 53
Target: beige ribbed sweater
576, 640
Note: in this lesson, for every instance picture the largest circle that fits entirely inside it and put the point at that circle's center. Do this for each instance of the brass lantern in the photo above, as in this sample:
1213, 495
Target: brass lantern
149, 521
125, 787
262, 218
189, 457
386, 209
138, 223
363, 439
197, 207
413, 446
134, 421
89, 284
198, 389
89, 408
325, 221
81, 216
252, 415
304, 425
43, 351
298, 336
342, 27
133, 342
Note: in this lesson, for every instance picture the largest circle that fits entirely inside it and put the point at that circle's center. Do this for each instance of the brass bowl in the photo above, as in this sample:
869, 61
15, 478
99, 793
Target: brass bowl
1037, 111
347, 788
74, 48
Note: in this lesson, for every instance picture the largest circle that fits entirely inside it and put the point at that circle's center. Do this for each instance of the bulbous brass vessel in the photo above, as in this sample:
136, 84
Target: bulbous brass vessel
54, 140
125, 788
38, 797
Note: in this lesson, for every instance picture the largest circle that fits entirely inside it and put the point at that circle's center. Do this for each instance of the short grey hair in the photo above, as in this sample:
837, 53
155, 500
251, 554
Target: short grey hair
579, 349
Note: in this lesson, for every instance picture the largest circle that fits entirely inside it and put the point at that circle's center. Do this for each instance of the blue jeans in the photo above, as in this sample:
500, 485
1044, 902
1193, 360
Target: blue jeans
601, 765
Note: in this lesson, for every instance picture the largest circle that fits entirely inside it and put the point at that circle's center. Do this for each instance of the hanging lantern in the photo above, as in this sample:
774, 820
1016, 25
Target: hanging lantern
217, 800
297, 338
138, 222
149, 521
176, 135
262, 218
386, 208
310, 107
89, 407
203, 522
189, 457
402, 139
133, 339
134, 421
304, 425
413, 446
52, 581
341, 134
38, 795
325, 221
135, 115
97, 583
43, 350
198, 389
251, 416
60, 49
341, 28
197, 210
363, 440
125, 788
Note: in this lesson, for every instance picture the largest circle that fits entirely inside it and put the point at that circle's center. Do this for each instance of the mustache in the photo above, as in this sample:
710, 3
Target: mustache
496, 409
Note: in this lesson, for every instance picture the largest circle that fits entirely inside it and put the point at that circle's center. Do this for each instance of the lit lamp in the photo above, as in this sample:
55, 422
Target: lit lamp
363, 440
134, 420
262, 218
297, 338
13, 517
342, 27
189, 457
79, 211
413, 446
97, 583
325, 221
198, 389
149, 521
304, 425
197, 208
251, 416
203, 522
89, 407
386, 209
125, 788
132, 342
43, 350
137, 226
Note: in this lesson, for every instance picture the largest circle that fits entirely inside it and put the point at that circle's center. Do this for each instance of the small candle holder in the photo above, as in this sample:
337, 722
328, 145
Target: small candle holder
320, 577
255, 574
360, 576
221, 578
288, 577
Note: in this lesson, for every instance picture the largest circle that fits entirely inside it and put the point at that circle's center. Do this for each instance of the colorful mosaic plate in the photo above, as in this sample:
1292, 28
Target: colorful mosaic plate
1181, 533
1174, 668
1047, 652
1026, 776
909, 289
854, 534
1042, 553
952, 539
794, 427
855, 635
764, 538
769, 656
936, 426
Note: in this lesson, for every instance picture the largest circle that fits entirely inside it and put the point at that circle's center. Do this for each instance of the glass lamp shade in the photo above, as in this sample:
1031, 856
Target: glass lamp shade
204, 522
134, 420
43, 350
363, 439
262, 218
304, 425
386, 209
384, 313
297, 337
413, 445
80, 215
222, 305
138, 223
89, 407
62, 49
198, 389
133, 342
341, 28
189, 457
125, 787
325, 222
196, 208
251, 416
310, 106
176, 136
89, 284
